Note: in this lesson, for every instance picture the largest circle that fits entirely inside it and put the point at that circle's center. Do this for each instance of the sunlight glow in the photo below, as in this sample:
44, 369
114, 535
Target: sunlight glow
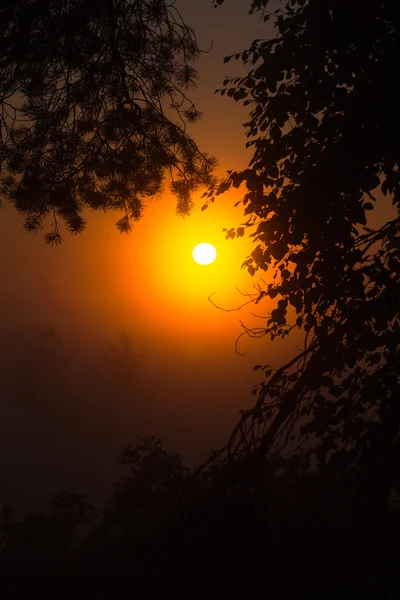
166, 269
204, 254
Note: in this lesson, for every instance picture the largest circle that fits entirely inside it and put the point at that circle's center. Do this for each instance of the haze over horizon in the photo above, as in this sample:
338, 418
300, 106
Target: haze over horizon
68, 404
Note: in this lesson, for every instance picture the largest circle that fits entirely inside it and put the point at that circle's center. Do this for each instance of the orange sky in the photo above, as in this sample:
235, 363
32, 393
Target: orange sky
190, 383
151, 272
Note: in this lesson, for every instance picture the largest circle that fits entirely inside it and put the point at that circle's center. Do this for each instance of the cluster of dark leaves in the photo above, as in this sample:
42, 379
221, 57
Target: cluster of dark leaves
325, 130
93, 109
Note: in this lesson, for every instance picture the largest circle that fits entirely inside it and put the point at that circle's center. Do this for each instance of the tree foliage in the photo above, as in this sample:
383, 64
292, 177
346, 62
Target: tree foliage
146, 529
324, 128
94, 109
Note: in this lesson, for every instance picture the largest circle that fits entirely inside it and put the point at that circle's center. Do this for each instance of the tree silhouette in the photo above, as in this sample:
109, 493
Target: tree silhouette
325, 130
155, 478
325, 133
143, 530
94, 111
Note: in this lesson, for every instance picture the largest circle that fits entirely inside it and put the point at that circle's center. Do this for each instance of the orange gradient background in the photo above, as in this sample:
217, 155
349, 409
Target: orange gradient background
187, 384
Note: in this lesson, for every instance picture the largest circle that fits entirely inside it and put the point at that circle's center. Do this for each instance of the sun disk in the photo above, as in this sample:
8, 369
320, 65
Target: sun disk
204, 254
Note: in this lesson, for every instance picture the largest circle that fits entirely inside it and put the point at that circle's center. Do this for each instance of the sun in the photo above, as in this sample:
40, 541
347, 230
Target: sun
204, 254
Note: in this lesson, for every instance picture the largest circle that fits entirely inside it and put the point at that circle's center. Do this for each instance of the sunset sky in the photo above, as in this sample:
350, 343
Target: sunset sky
143, 351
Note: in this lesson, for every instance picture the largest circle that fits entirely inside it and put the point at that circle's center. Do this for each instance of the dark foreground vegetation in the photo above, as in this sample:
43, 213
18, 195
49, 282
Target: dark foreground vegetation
321, 200
299, 532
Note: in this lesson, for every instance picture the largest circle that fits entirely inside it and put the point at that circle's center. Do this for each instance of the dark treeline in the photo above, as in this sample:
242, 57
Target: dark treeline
322, 204
71, 398
291, 529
